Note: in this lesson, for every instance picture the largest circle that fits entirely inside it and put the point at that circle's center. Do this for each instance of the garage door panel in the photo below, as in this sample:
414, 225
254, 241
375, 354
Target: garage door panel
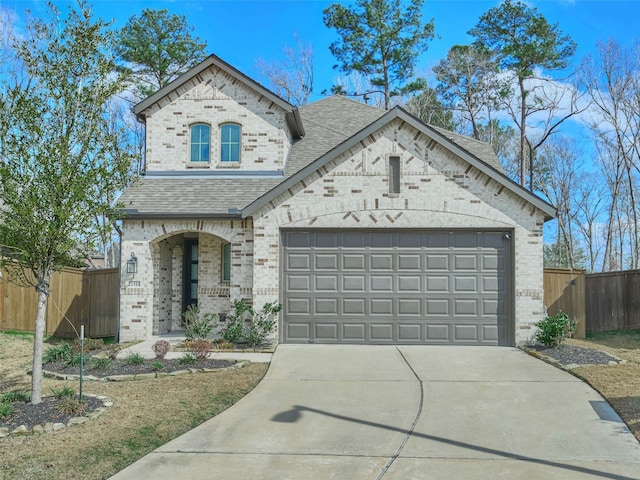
354, 331
409, 283
437, 262
464, 284
353, 306
438, 333
326, 261
381, 306
465, 307
326, 331
466, 333
381, 283
411, 332
298, 283
298, 261
381, 261
465, 262
437, 284
354, 283
381, 332
409, 262
409, 306
298, 306
326, 283
326, 306
353, 261
396, 287
437, 307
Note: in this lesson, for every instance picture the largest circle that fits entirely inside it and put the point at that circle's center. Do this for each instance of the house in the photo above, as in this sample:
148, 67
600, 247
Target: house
369, 226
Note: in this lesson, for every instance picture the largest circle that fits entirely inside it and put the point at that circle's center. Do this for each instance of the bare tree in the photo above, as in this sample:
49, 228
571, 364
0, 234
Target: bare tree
561, 161
291, 78
611, 78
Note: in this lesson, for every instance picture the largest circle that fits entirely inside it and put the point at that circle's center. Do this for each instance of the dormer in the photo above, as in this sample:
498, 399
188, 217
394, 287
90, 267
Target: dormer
216, 119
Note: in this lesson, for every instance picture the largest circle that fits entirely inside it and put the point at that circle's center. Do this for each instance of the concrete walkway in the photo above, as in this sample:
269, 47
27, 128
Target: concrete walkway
374, 412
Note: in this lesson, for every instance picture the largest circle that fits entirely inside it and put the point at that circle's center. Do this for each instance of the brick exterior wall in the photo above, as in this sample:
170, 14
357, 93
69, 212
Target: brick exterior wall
438, 190
214, 98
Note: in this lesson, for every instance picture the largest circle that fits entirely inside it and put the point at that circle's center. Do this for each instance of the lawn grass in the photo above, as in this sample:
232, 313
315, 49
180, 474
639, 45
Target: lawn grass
146, 414
629, 339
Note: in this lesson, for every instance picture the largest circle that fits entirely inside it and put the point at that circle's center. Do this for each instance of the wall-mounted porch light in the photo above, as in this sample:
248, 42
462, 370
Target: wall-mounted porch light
132, 264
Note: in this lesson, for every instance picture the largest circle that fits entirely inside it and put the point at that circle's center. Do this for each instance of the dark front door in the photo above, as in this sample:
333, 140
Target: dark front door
190, 296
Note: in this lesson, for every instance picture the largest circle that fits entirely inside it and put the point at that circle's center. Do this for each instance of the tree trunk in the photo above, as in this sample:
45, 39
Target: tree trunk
36, 376
523, 133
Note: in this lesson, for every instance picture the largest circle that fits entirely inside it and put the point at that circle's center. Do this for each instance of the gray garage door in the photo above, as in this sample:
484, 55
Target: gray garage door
422, 287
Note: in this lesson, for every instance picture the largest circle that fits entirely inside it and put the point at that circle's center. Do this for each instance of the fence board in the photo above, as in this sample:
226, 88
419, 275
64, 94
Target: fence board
564, 290
88, 297
613, 301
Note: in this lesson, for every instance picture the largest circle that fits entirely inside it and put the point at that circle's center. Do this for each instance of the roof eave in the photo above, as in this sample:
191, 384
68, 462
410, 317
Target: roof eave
133, 214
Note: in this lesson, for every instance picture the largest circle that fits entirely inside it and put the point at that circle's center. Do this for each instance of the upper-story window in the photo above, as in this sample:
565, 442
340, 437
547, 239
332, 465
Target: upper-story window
229, 142
200, 142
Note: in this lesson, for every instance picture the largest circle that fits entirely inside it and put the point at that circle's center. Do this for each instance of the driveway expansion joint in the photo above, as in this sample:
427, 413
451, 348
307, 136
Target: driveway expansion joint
392, 460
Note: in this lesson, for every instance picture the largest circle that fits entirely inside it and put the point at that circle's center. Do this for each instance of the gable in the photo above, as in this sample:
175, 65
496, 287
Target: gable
417, 145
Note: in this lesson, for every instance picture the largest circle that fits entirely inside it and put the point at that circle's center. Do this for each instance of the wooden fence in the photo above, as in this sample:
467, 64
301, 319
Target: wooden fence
565, 290
613, 301
84, 297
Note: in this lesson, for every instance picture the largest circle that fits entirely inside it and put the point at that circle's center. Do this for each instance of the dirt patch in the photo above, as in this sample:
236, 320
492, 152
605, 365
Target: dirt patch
145, 414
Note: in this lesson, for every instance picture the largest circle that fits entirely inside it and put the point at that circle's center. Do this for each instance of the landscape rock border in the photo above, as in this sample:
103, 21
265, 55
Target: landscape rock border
56, 427
139, 376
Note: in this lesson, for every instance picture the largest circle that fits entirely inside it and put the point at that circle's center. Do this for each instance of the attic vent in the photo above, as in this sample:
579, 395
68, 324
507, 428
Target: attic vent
431, 145
394, 174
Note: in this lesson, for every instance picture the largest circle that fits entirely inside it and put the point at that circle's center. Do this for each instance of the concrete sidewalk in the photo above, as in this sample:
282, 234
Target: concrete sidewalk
373, 412
144, 349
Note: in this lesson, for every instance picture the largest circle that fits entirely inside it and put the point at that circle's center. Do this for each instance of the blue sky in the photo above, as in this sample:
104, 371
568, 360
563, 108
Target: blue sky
240, 31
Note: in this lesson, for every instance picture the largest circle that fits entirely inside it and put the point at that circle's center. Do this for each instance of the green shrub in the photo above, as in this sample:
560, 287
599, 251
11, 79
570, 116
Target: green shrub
100, 363
157, 365
160, 348
6, 410
74, 360
71, 406
64, 392
553, 330
133, 359
187, 359
15, 396
247, 325
197, 326
263, 324
57, 353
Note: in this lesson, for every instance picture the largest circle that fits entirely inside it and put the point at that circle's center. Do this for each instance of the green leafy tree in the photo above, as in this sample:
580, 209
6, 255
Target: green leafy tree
59, 153
157, 47
382, 40
522, 41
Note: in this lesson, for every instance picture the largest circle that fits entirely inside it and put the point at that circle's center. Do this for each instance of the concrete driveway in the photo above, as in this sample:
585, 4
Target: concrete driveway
373, 412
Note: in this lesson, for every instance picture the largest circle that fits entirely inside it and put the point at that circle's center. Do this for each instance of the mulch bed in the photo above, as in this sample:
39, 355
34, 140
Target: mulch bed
49, 411
573, 355
120, 367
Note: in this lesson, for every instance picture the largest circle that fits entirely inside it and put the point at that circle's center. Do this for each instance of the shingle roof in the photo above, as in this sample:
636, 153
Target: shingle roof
191, 196
327, 123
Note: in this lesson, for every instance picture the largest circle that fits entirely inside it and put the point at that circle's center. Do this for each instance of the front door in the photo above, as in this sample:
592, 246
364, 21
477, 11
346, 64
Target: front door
190, 296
